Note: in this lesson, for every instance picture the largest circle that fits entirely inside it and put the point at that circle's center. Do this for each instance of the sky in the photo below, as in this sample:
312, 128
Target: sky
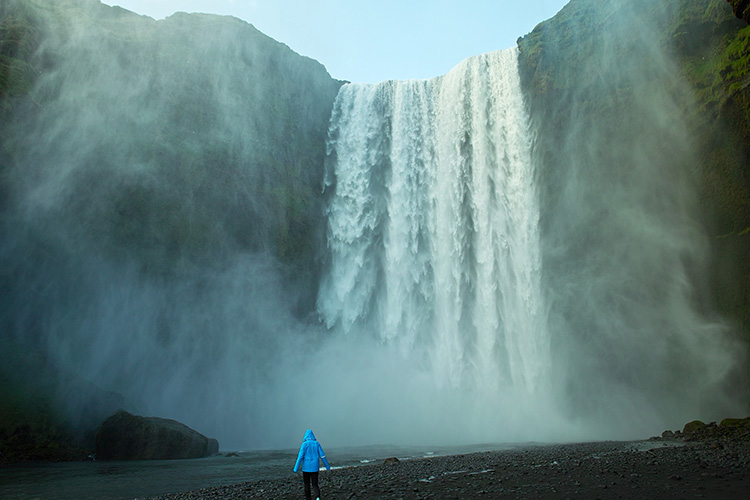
374, 40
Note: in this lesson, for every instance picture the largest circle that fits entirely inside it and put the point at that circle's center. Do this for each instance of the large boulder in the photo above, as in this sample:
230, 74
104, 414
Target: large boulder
124, 436
213, 446
694, 428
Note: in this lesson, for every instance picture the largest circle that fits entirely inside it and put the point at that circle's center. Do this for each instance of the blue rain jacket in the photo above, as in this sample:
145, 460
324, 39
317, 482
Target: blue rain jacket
310, 454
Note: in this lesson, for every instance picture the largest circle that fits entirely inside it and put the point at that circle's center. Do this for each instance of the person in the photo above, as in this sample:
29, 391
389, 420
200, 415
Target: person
310, 453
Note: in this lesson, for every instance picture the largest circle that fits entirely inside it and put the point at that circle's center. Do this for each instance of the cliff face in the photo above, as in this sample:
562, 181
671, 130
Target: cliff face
653, 96
141, 155
711, 54
741, 9
170, 141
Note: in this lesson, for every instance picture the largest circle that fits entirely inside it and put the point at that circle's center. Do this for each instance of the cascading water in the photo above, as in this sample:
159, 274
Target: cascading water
434, 228
481, 268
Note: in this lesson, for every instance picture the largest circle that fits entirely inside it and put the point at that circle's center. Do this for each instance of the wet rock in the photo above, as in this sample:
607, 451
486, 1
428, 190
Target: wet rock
213, 446
741, 9
124, 436
687, 466
693, 428
735, 423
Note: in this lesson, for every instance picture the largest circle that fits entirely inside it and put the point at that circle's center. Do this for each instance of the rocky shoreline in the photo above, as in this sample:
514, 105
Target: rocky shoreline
717, 468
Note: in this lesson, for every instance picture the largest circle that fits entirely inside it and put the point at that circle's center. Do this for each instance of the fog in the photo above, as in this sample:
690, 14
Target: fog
483, 277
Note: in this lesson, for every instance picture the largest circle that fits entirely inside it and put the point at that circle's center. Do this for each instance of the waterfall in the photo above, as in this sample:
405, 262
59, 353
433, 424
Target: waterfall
545, 292
434, 226
490, 275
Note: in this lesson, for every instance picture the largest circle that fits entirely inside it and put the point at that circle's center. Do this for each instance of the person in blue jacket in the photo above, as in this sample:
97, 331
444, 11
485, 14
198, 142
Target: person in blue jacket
309, 456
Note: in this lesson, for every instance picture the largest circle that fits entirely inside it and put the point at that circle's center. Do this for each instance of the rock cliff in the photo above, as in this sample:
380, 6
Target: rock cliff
585, 71
203, 136
741, 9
648, 101
165, 151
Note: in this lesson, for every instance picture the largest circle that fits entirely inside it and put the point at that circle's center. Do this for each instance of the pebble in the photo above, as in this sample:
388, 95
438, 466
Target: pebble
533, 471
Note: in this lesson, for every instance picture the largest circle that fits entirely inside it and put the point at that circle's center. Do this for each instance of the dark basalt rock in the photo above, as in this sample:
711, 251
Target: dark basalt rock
213, 446
124, 436
728, 430
741, 9
694, 427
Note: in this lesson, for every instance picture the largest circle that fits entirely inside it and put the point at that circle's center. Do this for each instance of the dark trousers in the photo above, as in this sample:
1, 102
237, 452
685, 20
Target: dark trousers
309, 477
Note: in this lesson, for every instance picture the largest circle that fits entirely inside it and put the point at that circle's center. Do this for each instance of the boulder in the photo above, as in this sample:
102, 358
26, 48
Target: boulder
735, 422
213, 446
667, 434
124, 436
694, 427
391, 461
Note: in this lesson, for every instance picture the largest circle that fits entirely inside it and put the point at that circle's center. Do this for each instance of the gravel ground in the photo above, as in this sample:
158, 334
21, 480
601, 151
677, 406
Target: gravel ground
606, 470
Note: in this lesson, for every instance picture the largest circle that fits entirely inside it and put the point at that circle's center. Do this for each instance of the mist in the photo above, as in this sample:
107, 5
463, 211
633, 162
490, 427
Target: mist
625, 250
162, 234
208, 224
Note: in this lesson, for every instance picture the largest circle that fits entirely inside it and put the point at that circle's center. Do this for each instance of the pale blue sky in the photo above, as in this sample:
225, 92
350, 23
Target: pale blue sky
375, 40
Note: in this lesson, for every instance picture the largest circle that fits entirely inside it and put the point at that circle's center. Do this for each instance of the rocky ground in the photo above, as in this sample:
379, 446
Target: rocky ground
712, 462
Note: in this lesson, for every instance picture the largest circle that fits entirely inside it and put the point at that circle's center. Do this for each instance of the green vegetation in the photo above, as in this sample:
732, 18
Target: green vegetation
735, 422
693, 427
719, 72
741, 9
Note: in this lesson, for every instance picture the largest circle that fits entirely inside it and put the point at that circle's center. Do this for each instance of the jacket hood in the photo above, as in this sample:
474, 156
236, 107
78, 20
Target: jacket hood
309, 436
